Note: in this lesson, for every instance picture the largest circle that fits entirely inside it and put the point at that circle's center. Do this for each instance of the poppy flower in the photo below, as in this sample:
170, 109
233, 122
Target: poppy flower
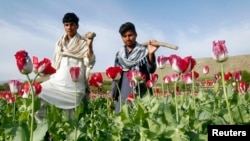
114, 72
75, 73
23, 62
96, 80
43, 67
149, 83
220, 53
161, 61
131, 97
237, 76
206, 70
154, 77
136, 76
181, 65
15, 86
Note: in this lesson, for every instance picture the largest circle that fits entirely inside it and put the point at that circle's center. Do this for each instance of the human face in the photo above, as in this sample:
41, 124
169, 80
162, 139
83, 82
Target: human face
129, 39
70, 29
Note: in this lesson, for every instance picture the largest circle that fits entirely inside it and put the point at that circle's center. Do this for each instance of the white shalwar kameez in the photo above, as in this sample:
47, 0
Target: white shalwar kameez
60, 90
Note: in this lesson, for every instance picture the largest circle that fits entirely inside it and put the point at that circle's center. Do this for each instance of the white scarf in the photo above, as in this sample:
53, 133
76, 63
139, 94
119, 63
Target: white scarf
76, 48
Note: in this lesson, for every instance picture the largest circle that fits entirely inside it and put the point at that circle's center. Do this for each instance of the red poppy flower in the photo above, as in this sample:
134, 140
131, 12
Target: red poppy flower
96, 80
36, 86
131, 97
114, 72
23, 62
43, 67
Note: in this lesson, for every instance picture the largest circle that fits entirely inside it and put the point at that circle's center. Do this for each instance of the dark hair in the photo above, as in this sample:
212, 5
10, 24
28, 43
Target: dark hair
127, 26
70, 17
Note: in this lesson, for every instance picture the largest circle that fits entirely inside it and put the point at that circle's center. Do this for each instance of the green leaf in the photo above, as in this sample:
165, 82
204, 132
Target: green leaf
178, 135
125, 114
229, 91
22, 133
155, 127
40, 131
155, 108
205, 115
216, 87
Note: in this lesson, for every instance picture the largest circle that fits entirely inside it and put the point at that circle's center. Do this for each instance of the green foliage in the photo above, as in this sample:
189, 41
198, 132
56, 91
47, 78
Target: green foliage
105, 88
246, 76
149, 118
4, 87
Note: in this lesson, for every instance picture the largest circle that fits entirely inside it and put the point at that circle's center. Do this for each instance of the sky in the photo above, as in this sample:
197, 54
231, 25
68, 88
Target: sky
193, 25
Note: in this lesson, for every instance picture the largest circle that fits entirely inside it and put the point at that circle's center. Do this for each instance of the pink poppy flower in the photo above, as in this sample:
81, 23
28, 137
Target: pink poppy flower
162, 61
149, 83
206, 70
174, 77
167, 79
188, 77
154, 77
237, 76
220, 53
136, 76
15, 86
75, 73
242, 86
180, 65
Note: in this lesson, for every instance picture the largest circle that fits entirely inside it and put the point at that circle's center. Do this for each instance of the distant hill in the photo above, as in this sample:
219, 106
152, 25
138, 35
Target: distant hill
239, 62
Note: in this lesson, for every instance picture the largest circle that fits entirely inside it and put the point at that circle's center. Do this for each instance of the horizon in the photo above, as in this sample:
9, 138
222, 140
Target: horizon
5, 81
35, 26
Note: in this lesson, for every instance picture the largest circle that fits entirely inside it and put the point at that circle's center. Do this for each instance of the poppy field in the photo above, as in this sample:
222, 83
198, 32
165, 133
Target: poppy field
180, 109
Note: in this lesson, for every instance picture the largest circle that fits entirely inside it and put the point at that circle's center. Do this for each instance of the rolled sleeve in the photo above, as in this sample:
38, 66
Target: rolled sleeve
89, 62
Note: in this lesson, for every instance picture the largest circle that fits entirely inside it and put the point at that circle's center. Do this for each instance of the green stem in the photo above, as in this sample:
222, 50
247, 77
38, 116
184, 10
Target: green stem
120, 95
225, 93
35, 78
168, 89
239, 92
193, 94
176, 104
32, 107
14, 110
139, 91
162, 83
148, 91
75, 114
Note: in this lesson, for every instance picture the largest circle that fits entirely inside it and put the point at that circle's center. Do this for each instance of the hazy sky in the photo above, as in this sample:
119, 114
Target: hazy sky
35, 26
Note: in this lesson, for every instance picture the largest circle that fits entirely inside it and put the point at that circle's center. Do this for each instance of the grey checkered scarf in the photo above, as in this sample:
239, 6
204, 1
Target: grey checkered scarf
136, 58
